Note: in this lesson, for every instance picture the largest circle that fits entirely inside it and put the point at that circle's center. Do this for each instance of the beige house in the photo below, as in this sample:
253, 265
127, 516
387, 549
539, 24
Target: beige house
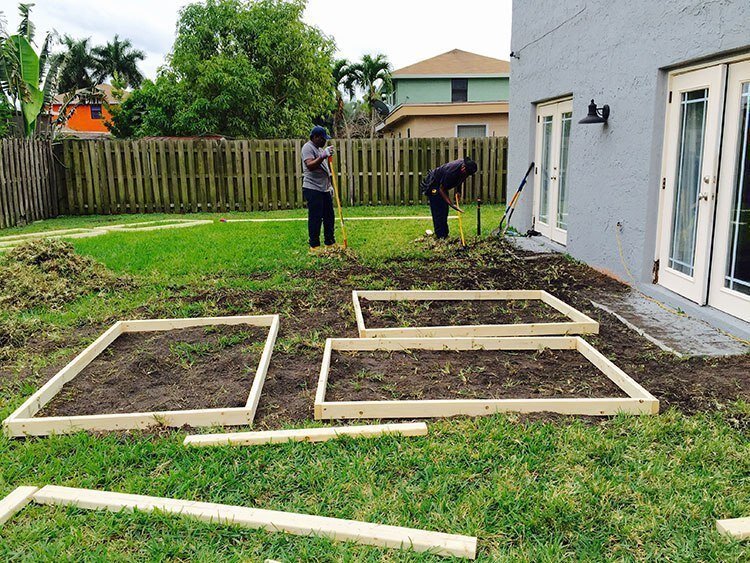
456, 94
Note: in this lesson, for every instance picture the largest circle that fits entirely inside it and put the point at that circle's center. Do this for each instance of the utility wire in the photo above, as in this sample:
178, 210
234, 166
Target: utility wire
516, 53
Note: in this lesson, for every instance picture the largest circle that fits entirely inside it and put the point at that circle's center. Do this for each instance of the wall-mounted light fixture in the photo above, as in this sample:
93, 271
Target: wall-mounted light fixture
596, 115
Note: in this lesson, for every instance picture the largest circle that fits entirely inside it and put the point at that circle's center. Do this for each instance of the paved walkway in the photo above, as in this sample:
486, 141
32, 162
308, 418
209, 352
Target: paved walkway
670, 329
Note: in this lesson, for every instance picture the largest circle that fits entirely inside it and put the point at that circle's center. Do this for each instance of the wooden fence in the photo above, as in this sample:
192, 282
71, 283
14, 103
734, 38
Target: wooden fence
183, 176
27, 182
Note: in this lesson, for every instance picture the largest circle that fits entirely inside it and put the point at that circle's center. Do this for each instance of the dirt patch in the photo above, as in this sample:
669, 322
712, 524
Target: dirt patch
49, 273
392, 314
191, 368
308, 317
478, 374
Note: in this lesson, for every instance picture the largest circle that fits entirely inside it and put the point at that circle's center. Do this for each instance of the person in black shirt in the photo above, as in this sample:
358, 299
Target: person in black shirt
436, 185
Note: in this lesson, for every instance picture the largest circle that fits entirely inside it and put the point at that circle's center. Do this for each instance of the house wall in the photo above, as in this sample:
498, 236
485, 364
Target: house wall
423, 90
81, 119
445, 125
619, 54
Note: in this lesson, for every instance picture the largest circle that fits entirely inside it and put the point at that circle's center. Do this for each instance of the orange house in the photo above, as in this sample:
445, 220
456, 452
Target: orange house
87, 120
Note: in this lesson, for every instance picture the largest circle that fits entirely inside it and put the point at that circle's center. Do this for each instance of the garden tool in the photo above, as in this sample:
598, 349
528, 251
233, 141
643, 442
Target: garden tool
460, 225
500, 231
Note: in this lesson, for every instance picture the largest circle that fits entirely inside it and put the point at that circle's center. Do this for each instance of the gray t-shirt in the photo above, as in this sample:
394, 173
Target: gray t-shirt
318, 179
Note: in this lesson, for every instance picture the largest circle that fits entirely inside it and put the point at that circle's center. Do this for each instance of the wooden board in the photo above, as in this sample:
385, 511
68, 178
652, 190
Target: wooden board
639, 401
22, 422
578, 323
14, 502
305, 435
737, 528
271, 520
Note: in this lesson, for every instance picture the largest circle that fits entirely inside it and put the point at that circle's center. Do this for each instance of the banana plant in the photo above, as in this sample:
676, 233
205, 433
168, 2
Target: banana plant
27, 78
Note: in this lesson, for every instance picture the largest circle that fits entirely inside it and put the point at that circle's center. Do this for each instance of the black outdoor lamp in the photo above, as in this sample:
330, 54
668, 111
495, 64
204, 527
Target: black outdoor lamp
596, 115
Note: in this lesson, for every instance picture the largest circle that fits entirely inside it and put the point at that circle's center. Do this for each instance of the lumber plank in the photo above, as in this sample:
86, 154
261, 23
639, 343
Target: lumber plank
305, 435
615, 374
260, 374
325, 366
567, 310
449, 295
521, 329
15, 502
358, 314
737, 528
457, 343
198, 418
273, 521
150, 325
347, 410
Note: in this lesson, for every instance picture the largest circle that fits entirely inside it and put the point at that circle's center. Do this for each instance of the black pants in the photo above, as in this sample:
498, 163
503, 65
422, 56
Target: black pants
439, 209
319, 210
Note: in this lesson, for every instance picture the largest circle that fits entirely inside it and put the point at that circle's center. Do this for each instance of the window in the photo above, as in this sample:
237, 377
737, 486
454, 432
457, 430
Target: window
471, 130
408, 133
96, 111
459, 90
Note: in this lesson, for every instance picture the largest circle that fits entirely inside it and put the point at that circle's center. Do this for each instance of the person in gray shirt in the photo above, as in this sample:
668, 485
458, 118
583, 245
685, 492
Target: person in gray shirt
316, 188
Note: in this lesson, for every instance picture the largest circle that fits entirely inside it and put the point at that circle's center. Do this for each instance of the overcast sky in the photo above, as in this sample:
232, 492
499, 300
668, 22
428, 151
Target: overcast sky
406, 31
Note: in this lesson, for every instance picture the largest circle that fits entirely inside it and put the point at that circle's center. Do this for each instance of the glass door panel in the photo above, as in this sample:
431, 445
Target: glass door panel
688, 184
687, 200
562, 192
730, 276
546, 169
551, 173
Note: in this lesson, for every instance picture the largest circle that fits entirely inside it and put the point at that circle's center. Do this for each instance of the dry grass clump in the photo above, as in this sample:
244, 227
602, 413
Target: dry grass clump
49, 273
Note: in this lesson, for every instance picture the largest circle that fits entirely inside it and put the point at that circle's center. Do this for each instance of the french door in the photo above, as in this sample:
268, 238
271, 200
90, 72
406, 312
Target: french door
730, 271
689, 185
704, 248
551, 186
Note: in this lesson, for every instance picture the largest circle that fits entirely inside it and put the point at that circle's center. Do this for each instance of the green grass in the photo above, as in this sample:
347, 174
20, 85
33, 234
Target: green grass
627, 489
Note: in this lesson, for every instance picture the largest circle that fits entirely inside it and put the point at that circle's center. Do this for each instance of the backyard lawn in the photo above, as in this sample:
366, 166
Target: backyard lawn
530, 487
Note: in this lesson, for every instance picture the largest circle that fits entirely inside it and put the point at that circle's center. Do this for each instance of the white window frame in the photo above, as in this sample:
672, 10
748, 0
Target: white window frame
485, 125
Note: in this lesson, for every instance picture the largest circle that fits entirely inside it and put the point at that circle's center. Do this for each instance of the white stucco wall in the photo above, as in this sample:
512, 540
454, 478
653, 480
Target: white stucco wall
616, 53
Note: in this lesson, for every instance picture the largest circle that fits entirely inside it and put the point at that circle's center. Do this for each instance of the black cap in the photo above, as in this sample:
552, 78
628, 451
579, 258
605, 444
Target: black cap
471, 166
318, 130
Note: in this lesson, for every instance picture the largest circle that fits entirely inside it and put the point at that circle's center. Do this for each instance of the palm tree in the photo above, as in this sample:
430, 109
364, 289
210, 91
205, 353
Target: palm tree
119, 59
343, 83
373, 76
77, 65
27, 79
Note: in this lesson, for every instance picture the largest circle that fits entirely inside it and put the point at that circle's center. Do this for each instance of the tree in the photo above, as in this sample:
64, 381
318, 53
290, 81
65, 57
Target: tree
77, 65
343, 83
27, 78
118, 59
237, 68
373, 76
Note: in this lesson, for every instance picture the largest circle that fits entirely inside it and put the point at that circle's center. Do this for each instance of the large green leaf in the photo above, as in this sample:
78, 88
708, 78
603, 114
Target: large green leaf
28, 59
30, 107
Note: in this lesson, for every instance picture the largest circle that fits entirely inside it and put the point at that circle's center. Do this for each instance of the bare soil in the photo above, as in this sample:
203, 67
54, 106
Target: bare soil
190, 368
308, 317
392, 314
480, 374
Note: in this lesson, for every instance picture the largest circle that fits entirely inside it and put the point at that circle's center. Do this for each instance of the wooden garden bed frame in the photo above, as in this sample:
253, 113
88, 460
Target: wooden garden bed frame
23, 423
639, 401
336, 529
737, 528
578, 324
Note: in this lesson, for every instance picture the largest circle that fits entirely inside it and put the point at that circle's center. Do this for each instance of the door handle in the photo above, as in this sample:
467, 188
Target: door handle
703, 195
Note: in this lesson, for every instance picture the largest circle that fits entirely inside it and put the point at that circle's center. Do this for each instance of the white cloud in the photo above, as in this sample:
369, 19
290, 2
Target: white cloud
405, 30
